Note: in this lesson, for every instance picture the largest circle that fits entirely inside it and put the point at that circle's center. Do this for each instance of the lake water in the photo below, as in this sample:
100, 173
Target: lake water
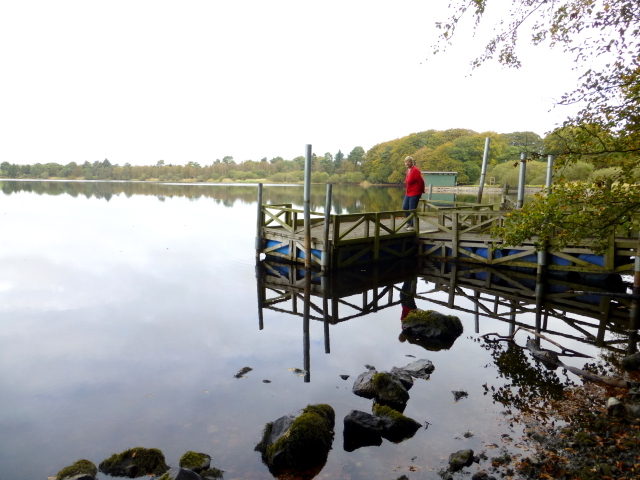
126, 310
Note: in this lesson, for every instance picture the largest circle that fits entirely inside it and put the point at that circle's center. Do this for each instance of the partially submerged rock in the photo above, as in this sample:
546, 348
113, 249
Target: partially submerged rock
135, 462
79, 470
422, 368
195, 461
460, 459
212, 474
175, 473
430, 329
361, 429
363, 385
389, 390
395, 426
298, 442
403, 376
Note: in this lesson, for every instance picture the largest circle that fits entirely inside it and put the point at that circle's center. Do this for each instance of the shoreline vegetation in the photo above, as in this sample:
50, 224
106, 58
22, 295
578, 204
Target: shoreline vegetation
454, 150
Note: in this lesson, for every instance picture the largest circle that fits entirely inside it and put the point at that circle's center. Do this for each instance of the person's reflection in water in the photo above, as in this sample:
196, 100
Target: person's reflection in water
407, 300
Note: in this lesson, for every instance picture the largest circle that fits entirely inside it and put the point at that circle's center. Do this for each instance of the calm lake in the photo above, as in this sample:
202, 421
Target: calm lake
127, 309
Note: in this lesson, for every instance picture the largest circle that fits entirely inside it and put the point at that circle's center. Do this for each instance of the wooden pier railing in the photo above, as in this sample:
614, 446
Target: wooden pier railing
347, 239
443, 230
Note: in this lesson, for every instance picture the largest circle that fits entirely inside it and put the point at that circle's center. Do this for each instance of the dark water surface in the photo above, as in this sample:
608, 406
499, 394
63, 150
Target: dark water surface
126, 309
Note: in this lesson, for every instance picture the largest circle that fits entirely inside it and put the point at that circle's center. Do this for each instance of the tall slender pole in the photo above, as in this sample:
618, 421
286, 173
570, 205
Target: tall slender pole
550, 159
259, 224
483, 173
326, 251
261, 294
523, 174
307, 208
306, 339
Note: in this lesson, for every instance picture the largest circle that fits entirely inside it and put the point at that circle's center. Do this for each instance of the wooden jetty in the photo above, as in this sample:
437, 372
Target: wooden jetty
443, 230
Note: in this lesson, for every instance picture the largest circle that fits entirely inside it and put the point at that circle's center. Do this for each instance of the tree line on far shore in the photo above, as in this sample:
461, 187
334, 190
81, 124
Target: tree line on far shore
453, 150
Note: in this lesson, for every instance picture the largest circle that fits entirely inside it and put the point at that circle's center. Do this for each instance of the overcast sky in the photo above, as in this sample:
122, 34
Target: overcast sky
145, 80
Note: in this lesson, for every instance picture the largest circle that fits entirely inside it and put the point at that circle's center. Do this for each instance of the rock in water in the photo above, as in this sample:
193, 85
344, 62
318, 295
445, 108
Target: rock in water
460, 459
395, 426
299, 442
135, 462
431, 330
361, 429
79, 470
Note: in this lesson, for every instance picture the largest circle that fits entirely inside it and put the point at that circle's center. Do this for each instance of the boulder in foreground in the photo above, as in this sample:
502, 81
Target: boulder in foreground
299, 442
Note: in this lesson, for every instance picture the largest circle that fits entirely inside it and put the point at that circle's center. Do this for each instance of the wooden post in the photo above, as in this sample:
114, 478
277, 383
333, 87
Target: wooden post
452, 285
307, 208
326, 248
550, 159
261, 294
483, 173
376, 236
610, 253
259, 224
476, 308
306, 339
539, 291
325, 318
454, 235
521, 180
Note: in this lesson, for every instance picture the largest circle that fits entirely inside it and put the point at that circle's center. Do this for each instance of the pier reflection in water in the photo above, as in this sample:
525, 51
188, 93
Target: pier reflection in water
587, 309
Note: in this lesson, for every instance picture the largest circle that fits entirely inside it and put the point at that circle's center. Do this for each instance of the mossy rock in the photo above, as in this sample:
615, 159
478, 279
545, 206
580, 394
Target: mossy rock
389, 389
298, 442
430, 329
135, 462
178, 473
396, 426
195, 461
82, 467
212, 474
460, 459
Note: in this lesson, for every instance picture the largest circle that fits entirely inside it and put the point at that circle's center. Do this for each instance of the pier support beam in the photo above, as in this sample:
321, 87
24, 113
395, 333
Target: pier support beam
307, 208
259, 224
521, 180
483, 173
550, 160
326, 248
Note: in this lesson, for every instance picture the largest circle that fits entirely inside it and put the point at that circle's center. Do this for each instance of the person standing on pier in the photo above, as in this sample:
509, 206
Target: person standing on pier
414, 189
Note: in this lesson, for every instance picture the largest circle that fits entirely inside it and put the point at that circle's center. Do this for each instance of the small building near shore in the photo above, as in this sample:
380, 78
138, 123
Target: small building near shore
440, 179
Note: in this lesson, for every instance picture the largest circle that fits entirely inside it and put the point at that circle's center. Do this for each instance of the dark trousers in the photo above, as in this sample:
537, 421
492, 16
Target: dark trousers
410, 203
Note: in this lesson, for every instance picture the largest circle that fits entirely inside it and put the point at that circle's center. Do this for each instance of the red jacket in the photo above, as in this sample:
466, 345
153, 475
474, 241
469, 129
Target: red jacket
415, 182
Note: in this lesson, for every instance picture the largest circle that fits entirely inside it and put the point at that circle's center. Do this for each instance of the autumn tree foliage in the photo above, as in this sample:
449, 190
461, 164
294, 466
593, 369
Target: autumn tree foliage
603, 37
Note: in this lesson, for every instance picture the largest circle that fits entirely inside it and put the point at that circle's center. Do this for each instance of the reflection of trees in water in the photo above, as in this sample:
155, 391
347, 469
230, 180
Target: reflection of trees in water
531, 386
345, 198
